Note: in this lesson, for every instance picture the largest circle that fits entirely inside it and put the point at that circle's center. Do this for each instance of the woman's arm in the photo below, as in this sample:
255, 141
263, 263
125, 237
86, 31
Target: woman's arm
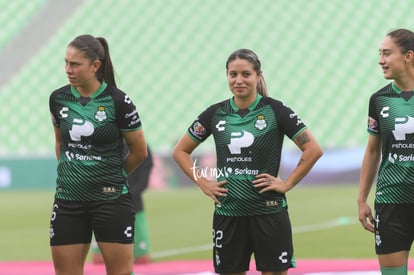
137, 149
369, 170
311, 152
58, 141
182, 155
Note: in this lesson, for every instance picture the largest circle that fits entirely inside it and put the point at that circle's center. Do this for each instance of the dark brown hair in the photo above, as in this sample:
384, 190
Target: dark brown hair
252, 57
403, 38
96, 48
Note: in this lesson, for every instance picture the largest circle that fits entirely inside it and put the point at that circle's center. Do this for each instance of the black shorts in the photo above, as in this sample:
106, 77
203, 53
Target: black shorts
268, 237
394, 227
110, 221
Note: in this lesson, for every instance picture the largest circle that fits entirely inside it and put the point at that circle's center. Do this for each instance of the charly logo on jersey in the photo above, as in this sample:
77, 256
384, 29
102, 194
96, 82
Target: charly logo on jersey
220, 125
100, 114
282, 257
64, 112
298, 120
127, 99
128, 232
385, 111
260, 122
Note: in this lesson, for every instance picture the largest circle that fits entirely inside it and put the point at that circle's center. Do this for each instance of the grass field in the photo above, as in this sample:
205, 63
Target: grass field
324, 220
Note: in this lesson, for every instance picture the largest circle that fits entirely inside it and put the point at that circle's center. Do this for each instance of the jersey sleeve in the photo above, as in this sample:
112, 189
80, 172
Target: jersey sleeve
373, 121
200, 129
127, 115
290, 123
53, 112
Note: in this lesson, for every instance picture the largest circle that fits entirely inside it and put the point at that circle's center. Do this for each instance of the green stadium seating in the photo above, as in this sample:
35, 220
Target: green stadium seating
14, 15
318, 56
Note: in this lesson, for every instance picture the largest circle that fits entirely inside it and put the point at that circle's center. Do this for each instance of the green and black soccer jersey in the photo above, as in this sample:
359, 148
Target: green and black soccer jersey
391, 116
248, 142
91, 164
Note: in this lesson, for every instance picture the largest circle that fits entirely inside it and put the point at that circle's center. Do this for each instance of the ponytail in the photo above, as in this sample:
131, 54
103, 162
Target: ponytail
261, 86
106, 70
96, 49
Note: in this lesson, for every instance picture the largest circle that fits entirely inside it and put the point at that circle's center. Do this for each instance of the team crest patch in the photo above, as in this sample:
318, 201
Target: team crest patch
100, 114
198, 129
372, 124
260, 122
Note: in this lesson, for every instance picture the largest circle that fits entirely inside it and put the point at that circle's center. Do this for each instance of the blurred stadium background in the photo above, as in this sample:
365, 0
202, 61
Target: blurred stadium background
318, 56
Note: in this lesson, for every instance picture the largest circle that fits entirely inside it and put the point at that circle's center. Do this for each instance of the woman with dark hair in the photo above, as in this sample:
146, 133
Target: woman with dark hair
251, 214
91, 118
388, 157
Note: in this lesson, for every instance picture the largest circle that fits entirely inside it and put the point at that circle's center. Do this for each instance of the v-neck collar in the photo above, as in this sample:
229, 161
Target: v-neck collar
250, 108
92, 96
407, 95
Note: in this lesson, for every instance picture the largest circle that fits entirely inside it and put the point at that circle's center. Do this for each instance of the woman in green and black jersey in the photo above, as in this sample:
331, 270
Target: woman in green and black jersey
389, 156
250, 204
91, 118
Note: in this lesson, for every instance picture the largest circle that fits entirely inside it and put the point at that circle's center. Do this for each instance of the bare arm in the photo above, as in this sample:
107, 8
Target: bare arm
311, 152
182, 155
137, 149
58, 140
369, 170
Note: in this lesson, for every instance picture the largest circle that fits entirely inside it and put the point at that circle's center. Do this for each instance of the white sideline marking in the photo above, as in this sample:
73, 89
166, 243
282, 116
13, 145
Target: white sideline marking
179, 251
341, 221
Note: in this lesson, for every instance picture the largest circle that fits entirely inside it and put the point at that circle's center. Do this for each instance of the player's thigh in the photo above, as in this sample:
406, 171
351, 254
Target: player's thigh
118, 257
232, 247
114, 221
69, 259
272, 241
70, 223
393, 228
